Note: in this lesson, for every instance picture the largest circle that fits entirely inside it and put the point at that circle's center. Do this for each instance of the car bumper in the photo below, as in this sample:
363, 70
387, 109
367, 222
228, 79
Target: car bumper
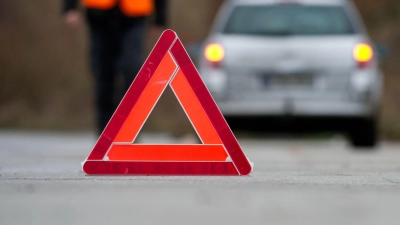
296, 108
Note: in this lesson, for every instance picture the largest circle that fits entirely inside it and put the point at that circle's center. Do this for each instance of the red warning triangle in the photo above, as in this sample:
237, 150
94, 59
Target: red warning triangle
168, 64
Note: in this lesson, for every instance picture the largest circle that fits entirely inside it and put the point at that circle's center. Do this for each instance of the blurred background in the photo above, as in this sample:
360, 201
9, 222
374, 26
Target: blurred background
45, 82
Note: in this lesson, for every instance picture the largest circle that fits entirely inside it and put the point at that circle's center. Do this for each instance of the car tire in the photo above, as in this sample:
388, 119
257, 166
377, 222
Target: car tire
364, 134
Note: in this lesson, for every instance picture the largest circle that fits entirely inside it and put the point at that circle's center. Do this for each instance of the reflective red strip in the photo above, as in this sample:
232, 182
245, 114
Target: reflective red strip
160, 168
218, 121
147, 152
148, 98
194, 110
132, 95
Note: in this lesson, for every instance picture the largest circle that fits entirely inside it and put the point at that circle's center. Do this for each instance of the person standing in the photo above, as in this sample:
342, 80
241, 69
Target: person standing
117, 31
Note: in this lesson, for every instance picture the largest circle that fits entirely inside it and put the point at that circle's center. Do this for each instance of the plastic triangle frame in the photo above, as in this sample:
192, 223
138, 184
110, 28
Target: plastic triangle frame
168, 64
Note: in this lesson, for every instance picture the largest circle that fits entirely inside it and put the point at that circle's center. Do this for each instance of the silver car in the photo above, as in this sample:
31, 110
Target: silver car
310, 60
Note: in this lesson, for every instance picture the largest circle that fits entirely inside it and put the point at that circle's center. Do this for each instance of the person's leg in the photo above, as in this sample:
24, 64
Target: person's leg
131, 53
103, 68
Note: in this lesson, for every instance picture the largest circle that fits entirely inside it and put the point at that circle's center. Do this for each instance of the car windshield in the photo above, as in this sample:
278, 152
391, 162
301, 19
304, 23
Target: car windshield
283, 20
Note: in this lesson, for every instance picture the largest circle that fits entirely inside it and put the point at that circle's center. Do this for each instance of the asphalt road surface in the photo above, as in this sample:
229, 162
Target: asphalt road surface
294, 182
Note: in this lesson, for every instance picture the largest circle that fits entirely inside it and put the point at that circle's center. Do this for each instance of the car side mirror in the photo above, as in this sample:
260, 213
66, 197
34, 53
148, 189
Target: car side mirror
381, 50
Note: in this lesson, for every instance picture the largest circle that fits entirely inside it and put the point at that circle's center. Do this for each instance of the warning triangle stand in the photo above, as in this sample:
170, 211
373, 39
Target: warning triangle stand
115, 153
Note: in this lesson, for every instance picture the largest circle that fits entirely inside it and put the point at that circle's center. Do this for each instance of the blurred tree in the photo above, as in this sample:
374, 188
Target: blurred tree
43, 68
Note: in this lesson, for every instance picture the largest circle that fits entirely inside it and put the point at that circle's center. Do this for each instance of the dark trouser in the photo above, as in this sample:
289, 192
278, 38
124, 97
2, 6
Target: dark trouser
116, 48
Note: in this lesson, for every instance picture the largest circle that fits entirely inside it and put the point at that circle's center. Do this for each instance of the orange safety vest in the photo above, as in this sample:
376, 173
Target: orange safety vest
128, 7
